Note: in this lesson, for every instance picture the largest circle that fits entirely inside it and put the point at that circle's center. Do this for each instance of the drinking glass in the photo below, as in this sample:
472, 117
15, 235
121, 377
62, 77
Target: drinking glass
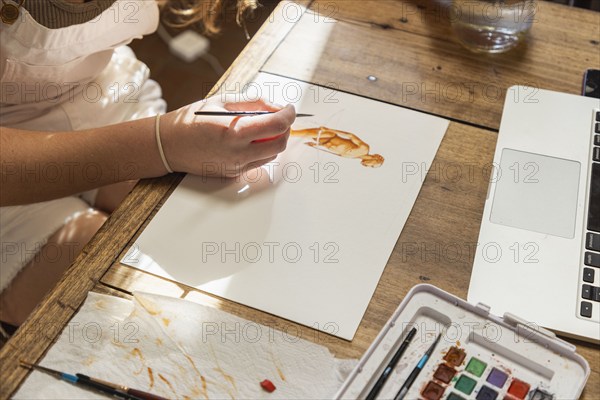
490, 26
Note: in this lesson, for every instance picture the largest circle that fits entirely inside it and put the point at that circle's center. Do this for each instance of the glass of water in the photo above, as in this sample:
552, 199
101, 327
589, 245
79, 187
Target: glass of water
491, 26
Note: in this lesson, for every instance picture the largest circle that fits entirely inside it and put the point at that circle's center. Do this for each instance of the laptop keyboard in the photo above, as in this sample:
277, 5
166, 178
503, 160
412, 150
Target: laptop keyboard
590, 289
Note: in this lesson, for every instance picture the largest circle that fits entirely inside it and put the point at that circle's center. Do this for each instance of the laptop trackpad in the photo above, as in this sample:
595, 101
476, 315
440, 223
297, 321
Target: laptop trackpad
536, 192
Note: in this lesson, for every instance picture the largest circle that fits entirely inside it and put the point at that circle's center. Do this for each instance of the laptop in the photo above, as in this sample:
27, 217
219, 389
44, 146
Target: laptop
538, 253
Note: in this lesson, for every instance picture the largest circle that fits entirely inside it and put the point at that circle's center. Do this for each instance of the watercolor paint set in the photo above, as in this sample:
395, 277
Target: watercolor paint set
437, 346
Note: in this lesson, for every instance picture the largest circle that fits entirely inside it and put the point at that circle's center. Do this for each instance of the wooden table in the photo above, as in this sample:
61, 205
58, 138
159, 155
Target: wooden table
408, 46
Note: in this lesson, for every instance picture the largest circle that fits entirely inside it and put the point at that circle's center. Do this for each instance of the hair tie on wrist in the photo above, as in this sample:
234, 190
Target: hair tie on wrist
160, 147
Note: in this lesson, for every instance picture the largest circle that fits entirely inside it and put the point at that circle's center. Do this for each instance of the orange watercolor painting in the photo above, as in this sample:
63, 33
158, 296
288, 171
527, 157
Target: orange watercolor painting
340, 143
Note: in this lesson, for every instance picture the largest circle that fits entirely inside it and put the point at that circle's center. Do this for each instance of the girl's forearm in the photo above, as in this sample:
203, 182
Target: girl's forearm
40, 166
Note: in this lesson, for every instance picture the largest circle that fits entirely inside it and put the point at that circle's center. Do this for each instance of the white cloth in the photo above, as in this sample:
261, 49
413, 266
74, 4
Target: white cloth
68, 79
178, 349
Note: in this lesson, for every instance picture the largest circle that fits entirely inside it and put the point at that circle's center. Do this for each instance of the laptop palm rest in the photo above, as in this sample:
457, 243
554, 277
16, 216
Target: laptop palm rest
536, 192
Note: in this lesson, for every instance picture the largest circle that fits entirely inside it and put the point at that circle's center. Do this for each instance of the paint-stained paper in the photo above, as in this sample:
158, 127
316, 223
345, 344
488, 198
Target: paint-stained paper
178, 349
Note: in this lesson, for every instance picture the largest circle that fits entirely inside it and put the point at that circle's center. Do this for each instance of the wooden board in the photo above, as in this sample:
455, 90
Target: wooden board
419, 64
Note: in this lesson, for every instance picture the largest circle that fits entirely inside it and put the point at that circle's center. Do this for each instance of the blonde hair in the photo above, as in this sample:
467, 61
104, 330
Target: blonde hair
183, 13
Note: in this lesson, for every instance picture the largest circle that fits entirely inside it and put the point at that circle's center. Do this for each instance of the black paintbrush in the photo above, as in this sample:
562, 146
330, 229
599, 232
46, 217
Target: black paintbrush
390, 367
415, 372
241, 113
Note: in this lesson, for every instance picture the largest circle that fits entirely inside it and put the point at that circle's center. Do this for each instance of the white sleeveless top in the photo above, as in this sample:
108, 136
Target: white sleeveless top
73, 71
68, 79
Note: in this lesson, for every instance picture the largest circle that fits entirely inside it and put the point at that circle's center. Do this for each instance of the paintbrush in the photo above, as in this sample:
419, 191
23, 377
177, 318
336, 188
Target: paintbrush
415, 372
111, 389
390, 367
242, 113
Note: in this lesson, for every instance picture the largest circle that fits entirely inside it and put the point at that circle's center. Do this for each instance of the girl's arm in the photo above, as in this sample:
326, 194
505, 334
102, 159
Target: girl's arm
39, 166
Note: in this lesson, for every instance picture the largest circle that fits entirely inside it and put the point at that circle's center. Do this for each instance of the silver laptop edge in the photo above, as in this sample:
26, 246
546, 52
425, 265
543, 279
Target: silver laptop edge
529, 258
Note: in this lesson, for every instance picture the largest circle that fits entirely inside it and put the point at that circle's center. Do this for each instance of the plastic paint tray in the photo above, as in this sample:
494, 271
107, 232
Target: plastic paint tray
479, 356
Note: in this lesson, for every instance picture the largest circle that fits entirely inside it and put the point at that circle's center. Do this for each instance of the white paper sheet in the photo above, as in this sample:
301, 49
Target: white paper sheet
177, 349
307, 236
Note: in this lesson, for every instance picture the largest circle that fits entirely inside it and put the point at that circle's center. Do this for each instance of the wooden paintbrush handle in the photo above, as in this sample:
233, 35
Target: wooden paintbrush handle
144, 395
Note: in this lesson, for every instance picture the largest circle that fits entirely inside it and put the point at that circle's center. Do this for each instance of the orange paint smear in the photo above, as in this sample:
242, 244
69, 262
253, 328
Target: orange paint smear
280, 374
149, 306
277, 366
165, 380
138, 352
90, 360
191, 360
151, 376
227, 377
204, 386
166, 321
202, 379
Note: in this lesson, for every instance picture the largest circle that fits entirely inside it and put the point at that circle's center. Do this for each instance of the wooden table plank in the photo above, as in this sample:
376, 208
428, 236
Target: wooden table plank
420, 65
42, 328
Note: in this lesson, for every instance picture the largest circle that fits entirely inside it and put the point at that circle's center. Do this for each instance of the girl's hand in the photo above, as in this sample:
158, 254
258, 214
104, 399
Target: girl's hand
224, 146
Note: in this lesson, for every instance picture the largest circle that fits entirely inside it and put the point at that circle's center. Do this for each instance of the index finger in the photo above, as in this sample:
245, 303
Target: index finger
256, 105
264, 127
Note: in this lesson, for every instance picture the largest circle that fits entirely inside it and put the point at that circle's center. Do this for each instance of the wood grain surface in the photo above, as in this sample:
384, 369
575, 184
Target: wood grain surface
404, 49
410, 48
